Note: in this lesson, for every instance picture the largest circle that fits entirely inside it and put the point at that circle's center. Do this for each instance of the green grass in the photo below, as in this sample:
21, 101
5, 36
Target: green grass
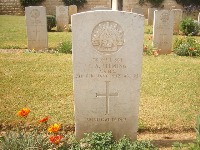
43, 82
13, 33
170, 91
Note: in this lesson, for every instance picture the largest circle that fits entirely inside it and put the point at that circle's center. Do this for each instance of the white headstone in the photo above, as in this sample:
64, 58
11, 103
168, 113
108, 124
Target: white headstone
100, 8
36, 27
114, 4
199, 18
72, 10
177, 19
62, 18
163, 31
151, 15
107, 60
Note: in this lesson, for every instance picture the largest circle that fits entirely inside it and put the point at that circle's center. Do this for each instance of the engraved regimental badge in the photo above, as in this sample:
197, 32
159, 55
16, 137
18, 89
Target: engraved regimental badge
107, 37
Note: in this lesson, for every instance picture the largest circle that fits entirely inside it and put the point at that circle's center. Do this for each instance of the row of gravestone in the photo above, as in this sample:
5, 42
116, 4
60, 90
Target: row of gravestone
107, 61
36, 24
38, 38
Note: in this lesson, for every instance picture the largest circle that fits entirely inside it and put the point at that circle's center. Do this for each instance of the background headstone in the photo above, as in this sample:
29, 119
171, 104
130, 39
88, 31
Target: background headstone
107, 59
151, 15
72, 10
137, 9
177, 19
199, 18
114, 4
101, 8
36, 27
62, 18
163, 31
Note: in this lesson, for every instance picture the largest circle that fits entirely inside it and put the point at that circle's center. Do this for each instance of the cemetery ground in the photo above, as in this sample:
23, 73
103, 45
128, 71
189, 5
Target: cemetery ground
169, 103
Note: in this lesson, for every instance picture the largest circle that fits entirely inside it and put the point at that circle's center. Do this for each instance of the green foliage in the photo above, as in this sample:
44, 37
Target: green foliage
26, 3
78, 3
64, 47
155, 3
94, 141
188, 2
187, 46
98, 141
51, 22
189, 27
21, 140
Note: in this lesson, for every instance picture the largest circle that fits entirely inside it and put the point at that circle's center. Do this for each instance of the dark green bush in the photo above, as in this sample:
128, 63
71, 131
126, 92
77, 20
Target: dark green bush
78, 3
189, 26
154, 3
187, 46
26, 3
51, 22
64, 47
188, 2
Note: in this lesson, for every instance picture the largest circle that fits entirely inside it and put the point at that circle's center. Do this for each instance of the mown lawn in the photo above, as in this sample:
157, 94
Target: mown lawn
13, 33
43, 82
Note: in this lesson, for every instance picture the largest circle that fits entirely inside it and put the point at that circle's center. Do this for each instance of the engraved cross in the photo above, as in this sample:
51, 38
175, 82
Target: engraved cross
107, 95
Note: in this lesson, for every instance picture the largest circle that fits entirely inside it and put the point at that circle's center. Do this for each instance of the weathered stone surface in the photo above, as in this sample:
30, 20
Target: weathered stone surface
36, 26
137, 9
100, 8
62, 18
107, 57
72, 10
177, 19
151, 15
114, 4
163, 31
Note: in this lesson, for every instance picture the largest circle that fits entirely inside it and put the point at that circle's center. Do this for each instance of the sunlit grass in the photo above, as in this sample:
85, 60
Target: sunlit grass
13, 33
43, 82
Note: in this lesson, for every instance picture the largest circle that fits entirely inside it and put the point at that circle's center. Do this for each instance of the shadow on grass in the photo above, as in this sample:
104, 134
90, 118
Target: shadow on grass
167, 143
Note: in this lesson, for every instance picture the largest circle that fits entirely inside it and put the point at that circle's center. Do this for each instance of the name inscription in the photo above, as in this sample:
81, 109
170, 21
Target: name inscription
107, 68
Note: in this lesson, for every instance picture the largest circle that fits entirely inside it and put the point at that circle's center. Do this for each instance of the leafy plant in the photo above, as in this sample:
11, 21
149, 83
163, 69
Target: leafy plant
26, 3
64, 47
187, 46
20, 140
78, 3
188, 2
98, 141
189, 27
155, 3
51, 22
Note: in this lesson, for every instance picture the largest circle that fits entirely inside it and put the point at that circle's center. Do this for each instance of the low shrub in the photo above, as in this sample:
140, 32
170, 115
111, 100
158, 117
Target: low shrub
21, 140
51, 22
78, 3
189, 26
26, 3
64, 47
187, 46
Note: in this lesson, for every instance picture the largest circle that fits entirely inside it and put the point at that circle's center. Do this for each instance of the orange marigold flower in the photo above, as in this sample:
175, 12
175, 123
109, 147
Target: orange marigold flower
23, 112
55, 139
54, 128
44, 120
